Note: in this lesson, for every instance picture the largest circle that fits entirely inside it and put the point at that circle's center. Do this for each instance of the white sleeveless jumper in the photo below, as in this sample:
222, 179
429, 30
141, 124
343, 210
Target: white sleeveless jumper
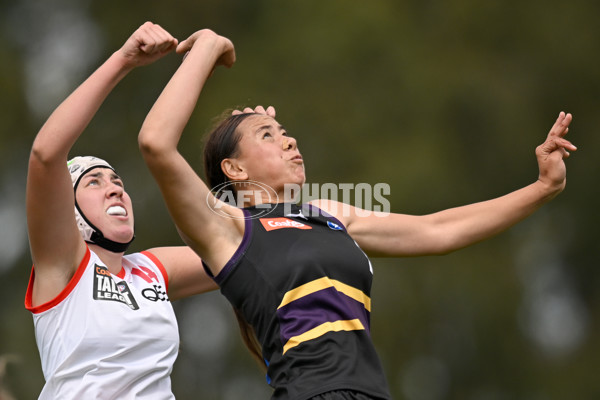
108, 336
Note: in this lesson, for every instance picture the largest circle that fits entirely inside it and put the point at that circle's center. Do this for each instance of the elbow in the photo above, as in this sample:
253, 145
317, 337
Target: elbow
155, 150
42, 156
144, 143
37, 156
148, 146
43, 162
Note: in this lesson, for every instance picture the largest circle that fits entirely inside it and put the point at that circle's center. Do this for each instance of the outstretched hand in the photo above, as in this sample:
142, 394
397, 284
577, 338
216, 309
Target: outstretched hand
553, 151
270, 111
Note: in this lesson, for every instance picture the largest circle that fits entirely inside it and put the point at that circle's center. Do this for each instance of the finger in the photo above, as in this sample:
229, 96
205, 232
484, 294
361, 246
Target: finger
556, 145
147, 43
164, 39
566, 122
168, 45
227, 59
186, 45
260, 110
565, 144
159, 38
182, 48
548, 147
563, 153
148, 38
248, 110
561, 126
271, 111
236, 112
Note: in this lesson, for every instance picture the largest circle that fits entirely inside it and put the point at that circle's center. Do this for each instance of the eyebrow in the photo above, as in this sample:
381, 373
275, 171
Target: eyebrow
98, 174
269, 126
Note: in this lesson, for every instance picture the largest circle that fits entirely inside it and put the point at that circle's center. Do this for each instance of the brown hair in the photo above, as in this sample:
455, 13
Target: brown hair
222, 143
250, 339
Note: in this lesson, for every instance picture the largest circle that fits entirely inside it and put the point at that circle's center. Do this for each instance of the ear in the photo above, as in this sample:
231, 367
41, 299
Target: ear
234, 170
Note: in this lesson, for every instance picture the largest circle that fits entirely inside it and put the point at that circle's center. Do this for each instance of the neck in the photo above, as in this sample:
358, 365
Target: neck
274, 200
251, 198
113, 261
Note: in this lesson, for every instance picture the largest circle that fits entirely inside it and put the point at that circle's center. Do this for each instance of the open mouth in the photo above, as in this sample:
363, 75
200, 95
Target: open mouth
116, 210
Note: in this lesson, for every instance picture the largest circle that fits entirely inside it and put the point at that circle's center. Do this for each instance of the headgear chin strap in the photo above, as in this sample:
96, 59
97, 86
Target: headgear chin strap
78, 167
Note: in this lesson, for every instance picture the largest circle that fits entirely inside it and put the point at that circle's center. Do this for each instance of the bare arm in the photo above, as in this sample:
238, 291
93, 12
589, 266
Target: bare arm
56, 245
213, 237
186, 273
452, 229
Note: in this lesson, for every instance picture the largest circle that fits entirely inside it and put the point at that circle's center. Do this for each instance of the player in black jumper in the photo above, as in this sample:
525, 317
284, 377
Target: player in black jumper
296, 274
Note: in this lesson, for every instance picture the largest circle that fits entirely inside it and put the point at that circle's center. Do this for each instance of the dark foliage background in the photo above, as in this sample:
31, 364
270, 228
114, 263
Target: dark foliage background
443, 101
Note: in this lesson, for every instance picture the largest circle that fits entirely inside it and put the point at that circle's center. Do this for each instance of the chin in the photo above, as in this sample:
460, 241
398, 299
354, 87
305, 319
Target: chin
122, 237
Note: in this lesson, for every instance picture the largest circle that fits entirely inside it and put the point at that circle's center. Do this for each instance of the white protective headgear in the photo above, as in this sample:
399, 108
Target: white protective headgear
78, 167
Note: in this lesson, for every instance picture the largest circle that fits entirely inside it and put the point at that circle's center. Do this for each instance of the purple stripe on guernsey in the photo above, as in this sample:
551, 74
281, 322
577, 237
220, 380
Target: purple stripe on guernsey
314, 309
238, 253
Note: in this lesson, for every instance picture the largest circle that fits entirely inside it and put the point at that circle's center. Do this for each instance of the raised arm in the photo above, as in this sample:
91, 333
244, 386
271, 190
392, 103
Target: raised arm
56, 244
452, 229
213, 237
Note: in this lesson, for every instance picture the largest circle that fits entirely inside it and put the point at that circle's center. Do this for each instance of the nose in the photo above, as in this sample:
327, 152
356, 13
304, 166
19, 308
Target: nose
289, 143
114, 190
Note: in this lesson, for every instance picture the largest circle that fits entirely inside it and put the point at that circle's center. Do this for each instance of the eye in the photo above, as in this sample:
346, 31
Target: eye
93, 182
267, 135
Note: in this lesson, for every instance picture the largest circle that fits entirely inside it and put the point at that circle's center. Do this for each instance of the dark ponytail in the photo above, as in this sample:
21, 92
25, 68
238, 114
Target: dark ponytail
250, 339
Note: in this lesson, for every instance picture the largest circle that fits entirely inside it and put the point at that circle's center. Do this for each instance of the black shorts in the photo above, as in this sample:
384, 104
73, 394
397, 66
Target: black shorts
342, 395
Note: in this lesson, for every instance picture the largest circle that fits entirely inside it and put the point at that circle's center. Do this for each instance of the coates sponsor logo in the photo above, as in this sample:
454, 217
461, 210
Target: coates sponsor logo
242, 194
105, 288
271, 224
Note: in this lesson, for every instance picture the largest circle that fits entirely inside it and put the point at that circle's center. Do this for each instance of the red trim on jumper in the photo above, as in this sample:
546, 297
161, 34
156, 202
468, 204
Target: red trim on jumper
121, 274
63, 294
160, 266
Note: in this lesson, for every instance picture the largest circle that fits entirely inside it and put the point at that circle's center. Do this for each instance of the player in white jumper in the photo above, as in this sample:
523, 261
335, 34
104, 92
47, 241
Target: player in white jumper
104, 324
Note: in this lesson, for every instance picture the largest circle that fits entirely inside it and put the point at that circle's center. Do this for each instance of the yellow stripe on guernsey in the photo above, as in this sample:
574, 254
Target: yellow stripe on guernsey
324, 283
342, 325
351, 325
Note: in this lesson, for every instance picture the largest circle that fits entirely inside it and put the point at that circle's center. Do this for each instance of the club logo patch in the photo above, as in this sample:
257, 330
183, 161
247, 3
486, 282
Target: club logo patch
334, 226
271, 224
105, 288
156, 292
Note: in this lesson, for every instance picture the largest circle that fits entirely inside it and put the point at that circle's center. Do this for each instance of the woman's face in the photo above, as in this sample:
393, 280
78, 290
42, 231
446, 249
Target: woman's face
103, 200
267, 154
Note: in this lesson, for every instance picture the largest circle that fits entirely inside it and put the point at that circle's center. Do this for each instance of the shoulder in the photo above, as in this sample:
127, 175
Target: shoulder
341, 211
182, 269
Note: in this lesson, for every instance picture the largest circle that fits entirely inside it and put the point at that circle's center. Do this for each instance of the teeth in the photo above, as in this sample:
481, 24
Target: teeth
116, 210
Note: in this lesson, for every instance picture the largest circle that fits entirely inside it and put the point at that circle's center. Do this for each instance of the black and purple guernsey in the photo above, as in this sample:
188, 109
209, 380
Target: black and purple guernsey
304, 285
